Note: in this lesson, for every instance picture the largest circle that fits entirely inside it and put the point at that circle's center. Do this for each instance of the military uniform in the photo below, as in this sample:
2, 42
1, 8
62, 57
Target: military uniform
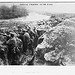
26, 40
14, 50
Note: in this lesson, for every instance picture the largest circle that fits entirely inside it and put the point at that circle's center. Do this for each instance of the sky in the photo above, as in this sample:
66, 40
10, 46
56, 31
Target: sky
54, 8
46, 7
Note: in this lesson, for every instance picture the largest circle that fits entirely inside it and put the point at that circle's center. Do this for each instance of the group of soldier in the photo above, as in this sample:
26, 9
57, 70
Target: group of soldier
17, 43
20, 41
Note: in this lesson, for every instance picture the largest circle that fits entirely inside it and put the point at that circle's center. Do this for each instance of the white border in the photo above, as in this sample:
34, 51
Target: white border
35, 70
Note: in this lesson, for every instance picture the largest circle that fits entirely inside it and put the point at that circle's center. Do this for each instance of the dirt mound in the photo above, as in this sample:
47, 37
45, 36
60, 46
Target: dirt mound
68, 22
59, 38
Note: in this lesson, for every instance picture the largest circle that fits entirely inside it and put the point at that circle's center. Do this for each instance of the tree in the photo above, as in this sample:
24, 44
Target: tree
12, 12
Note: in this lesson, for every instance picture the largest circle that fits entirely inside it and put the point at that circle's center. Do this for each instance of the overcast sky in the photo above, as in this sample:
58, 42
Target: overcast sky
49, 7
54, 8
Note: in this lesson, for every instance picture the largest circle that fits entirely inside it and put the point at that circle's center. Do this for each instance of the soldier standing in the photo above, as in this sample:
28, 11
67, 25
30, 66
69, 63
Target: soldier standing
14, 50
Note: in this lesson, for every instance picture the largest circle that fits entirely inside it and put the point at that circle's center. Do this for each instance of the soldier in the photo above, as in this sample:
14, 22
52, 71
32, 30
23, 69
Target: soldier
35, 37
20, 35
7, 35
27, 42
19, 28
14, 49
3, 54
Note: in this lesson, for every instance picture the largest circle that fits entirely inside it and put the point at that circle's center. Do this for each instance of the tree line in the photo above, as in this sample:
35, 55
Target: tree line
12, 12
